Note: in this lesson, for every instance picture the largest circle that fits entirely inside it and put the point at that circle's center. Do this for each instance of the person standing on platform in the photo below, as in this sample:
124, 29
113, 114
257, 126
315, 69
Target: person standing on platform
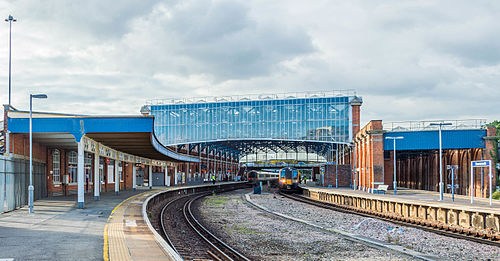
213, 179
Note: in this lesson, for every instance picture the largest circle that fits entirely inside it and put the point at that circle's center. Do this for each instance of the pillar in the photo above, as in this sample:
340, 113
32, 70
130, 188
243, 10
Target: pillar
117, 178
80, 175
167, 180
97, 178
175, 176
134, 176
150, 167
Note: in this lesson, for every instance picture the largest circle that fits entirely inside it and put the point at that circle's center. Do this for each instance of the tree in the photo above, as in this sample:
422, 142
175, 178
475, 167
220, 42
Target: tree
495, 124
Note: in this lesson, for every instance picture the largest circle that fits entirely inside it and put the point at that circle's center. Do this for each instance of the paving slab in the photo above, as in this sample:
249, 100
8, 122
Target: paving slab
58, 230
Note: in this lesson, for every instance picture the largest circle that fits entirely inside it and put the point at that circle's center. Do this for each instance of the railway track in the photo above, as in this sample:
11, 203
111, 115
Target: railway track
188, 237
443, 230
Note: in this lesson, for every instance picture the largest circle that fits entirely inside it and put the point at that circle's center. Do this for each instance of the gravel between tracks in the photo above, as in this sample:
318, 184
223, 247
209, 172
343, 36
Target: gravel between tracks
426, 242
263, 236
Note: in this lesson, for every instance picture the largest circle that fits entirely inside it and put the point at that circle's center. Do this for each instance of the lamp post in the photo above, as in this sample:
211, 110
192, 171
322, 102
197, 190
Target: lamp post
10, 19
30, 187
441, 185
394, 141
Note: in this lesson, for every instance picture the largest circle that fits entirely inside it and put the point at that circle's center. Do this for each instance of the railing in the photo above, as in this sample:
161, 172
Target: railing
253, 97
283, 165
426, 125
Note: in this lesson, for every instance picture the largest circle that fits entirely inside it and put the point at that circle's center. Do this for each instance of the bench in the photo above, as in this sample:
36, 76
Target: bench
381, 189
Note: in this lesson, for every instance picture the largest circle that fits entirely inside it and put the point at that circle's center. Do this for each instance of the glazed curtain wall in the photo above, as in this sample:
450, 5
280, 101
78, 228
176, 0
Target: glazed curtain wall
324, 119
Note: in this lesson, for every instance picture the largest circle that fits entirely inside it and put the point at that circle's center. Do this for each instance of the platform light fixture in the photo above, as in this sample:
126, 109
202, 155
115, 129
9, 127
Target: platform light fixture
30, 187
9, 20
441, 185
394, 142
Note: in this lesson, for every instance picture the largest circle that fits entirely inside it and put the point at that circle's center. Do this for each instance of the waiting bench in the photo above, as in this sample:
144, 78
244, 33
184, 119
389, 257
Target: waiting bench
381, 189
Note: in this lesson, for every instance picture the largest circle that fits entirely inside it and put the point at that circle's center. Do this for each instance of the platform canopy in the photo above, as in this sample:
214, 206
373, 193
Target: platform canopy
243, 147
429, 139
128, 134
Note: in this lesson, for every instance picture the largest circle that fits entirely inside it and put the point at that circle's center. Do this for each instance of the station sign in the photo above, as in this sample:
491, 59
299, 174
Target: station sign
481, 163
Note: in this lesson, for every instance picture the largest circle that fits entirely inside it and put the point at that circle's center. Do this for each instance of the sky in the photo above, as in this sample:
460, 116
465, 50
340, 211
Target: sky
408, 60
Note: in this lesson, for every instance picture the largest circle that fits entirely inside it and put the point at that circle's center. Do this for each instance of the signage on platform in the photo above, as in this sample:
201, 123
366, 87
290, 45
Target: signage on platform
481, 163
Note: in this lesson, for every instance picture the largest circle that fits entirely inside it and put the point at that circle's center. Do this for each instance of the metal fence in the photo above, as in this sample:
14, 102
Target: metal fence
14, 181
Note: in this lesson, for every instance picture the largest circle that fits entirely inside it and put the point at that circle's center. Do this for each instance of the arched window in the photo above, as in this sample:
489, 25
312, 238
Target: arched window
72, 166
56, 166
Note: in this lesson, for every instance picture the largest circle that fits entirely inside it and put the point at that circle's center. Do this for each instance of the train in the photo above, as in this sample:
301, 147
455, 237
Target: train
289, 179
254, 176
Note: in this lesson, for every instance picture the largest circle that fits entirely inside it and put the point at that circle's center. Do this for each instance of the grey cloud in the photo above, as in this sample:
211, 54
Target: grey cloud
218, 38
409, 60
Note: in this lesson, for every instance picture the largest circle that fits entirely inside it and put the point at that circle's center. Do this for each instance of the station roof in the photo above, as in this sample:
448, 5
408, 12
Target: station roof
129, 134
429, 140
248, 146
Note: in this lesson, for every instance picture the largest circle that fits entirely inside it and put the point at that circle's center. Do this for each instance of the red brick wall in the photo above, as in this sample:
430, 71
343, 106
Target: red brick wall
370, 154
356, 118
343, 175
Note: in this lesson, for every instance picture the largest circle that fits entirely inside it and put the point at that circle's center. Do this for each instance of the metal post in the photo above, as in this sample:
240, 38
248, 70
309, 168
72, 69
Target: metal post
491, 186
30, 187
395, 182
97, 178
440, 166
10, 62
336, 168
471, 183
10, 19
441, 185
453, 184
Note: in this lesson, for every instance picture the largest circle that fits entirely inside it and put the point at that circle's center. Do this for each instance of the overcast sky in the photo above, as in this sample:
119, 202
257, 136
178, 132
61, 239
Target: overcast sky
409, 60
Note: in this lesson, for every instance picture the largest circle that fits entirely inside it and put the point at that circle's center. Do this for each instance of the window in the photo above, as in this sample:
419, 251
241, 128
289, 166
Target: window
101, 170
72, 166
111, 172
56, 166
88, 167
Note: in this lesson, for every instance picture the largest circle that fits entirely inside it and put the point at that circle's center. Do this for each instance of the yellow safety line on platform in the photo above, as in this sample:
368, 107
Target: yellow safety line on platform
105, 251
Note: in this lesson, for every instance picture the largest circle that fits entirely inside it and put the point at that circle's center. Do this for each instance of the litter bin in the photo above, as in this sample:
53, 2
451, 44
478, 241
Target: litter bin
256, 189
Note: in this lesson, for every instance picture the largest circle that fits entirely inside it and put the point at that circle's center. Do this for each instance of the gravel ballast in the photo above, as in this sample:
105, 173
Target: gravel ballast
263, 236
446, 248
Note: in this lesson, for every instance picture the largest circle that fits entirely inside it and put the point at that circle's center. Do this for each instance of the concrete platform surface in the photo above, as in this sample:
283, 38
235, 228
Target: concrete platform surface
57, 230
421, 196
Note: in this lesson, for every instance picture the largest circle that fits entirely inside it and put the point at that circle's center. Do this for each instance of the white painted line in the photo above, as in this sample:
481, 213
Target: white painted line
6, 259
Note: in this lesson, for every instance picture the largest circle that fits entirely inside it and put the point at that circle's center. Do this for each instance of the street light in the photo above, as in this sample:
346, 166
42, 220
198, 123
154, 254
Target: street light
10, 19
394, 141
30, 188
441, 185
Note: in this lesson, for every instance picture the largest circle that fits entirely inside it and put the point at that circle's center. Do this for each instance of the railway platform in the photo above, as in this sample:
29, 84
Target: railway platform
417, 206
58, 230
423, 196
112, 228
